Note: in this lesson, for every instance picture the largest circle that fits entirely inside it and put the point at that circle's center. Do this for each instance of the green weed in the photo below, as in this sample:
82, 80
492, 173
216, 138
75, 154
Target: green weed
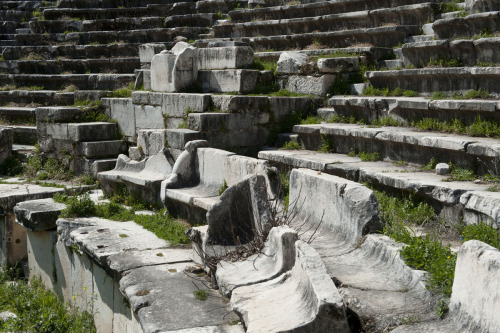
327, 144
291, 145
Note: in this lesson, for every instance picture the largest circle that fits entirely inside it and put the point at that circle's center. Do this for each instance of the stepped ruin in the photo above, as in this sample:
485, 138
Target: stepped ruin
254, 165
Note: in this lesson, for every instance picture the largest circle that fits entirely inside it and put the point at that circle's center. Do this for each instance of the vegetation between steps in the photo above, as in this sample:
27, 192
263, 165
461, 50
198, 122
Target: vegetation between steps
402, 214
38, 309
160, 223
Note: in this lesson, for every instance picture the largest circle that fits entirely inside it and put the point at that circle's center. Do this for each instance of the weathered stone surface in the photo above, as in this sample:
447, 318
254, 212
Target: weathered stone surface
38, 215
442, 169
277, 257
225, 57
174, 70
122, 110
7, 315
228, 80
481, 207
142, 177
314, 85
148, 51
178, 138
12, 194
339, 64
291, 62
100, 238
313, 304
151, 141
6, 140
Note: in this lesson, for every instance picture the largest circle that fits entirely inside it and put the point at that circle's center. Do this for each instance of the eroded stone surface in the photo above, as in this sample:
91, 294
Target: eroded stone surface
38, 215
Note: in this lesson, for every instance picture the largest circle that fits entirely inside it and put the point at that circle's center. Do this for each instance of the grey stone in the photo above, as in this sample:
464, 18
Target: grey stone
151, 141
228, 80
174, 70
7, 315
277, 257
178, 105
291, 62
442, 169
481, 207
100, 238
314, 85
11, 195
38, 215
122, 110
225, 57
148, 51
178, 138
316, 306
6, 140
339, 64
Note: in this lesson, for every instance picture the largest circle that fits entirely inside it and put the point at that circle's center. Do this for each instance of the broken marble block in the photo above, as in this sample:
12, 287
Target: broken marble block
303, 299
277, 257
291, 62
174, 70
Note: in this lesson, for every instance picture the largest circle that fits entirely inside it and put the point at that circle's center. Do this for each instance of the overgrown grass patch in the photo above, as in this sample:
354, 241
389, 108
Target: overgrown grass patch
482, 232
160, 223
38, 309
291, 145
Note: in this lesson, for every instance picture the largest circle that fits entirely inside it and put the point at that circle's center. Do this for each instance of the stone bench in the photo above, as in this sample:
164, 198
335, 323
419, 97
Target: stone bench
469, 52
40, 97
371, 53
142, 177
456, 202
466, 26
373, 279
59, 81
122, 23
408, 109
94, 13
78, 66
264, 309
74, 51
474, 299
404, 15
313, 9
448, 80
382, 36
107, 37
395, 143
200, 175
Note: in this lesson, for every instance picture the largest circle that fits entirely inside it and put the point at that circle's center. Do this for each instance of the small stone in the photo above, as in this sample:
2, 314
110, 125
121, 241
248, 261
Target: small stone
442, 169
7, 315
195, 269
180, 39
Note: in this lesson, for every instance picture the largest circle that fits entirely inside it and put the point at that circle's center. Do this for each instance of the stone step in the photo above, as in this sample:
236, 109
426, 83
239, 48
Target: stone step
9, 27
49, 52
94, 13
454, 201
22, 31
381, 37
419, 38
314, 9
36, 97
122, 23
77, 66
4, 43
108, 37
404, 15
16, 112
20, 5
7, 36
408, 109
24, 135
60, 81
426, 81
101, 149
14, 15
481, 155
468, 26
184, 8
469, 52
371, 53
190, 20
111, 3
82, 132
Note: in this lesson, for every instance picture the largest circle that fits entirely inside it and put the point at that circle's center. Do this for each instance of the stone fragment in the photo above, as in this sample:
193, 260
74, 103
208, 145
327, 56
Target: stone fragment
38, 215
7, 315
442, 169
313, 85
291, 62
